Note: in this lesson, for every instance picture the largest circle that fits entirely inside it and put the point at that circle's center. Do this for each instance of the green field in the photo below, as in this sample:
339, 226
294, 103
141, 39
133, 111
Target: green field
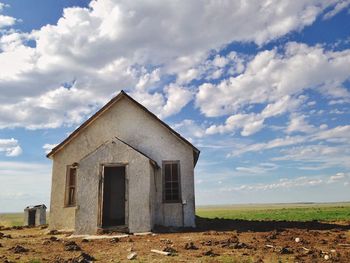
279, 212
11, 219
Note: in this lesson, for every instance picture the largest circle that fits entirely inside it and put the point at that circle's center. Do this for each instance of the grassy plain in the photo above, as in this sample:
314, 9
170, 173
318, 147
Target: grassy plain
11, 219
279, 212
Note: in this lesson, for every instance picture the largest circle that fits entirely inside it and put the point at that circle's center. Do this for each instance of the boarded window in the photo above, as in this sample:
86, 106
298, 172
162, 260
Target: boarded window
171, 179
71, 186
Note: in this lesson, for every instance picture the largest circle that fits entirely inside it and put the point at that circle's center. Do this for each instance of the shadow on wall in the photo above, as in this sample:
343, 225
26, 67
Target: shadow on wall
219, 224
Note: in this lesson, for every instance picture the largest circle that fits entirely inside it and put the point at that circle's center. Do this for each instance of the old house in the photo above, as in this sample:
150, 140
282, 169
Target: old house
122, 168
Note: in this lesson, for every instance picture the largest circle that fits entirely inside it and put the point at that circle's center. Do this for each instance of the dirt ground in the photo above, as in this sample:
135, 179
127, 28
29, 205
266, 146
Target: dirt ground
215, 240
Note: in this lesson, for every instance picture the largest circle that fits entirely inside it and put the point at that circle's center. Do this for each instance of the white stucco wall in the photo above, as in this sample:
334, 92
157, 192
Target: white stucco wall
138, 180
134, 126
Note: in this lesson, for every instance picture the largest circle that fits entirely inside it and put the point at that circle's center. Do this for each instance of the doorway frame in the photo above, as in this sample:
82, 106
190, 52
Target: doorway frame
101, 194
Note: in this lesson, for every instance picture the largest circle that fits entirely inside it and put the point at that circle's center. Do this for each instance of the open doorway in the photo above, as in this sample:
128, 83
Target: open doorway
31, 215
113, 209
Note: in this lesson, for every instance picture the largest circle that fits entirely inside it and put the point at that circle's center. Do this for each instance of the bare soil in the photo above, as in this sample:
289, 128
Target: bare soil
214, 240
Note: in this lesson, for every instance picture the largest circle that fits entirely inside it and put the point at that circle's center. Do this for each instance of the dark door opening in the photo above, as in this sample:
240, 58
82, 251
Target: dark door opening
113, 213
31, 217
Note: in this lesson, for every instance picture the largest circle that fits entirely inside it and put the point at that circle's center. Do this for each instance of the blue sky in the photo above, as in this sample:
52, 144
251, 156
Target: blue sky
262, 88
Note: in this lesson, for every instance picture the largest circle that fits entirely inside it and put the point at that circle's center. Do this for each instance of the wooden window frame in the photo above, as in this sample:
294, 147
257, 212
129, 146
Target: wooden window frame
68, 187
179, 200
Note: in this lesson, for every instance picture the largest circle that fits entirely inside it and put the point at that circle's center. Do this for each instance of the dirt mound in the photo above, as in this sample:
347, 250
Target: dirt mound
235, 244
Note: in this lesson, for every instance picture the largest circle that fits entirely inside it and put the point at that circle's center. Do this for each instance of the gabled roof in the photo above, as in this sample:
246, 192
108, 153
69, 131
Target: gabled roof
153, 162
121, 95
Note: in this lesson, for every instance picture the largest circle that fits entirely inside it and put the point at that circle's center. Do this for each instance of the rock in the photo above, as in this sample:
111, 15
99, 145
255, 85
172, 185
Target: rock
18, 249
326, 257
53, 238
71, 246
166, 241
273, 235
114, 240
171, 250
84, 240
209, 243
286, 250
132, 256
46, 242
240, 245
1, 245
190, 246
84, 258
53, 232
210, 253
297, 239
43, 226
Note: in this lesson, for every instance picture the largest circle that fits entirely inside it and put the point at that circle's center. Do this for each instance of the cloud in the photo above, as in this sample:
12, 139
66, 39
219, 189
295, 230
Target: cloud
339, 177
5, 21
48, 147
262, 168
303, 148
272, 77
190, 129
341, 5
250, 124
299, 124
95, 52
287, 183
10, 147
280, 184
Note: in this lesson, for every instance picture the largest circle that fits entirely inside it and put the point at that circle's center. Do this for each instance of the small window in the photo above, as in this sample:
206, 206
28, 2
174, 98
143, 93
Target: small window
71, 186
171, 179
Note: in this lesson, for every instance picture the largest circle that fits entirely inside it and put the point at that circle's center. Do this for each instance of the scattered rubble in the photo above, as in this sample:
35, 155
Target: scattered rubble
132, 256
71, 246
18, 249
170, 250
164, 253
114, 240
210, 253
53, 232
190, 246
84, 258
324, 243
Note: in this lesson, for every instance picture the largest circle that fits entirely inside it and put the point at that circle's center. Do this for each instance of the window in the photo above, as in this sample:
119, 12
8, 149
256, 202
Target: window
171, 179
71, 186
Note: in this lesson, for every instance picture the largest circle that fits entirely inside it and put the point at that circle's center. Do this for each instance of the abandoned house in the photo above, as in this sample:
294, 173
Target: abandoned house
123, 168
35, 215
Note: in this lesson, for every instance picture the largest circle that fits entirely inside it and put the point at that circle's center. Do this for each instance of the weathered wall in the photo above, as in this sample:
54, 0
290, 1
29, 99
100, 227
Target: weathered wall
136, 127
137, 173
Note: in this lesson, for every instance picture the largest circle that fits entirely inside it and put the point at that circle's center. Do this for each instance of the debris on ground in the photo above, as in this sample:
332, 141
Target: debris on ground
164, 253
114, 240
71, 246
286, 250
53, 238
53, 232
132, 256
171, 250
210, 253
84, 258
242, 241
18, 249
190, 246
46, 242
